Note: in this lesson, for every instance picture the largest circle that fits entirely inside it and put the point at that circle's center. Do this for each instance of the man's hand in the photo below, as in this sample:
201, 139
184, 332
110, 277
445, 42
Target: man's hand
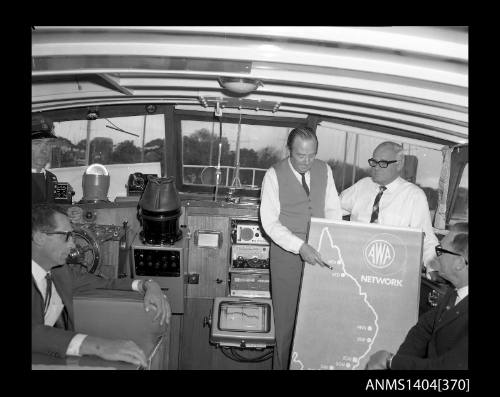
75, 214
310, 255
154, 299
378, 360
113, 350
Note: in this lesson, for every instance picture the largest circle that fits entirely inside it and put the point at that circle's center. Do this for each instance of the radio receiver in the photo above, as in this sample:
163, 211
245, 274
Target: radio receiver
247, 232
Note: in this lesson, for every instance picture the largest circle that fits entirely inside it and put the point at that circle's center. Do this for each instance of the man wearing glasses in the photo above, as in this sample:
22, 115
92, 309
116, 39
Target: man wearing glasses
440, 338
388, 199
53, 285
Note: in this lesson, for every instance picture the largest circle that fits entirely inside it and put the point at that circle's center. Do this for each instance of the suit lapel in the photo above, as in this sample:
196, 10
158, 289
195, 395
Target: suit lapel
62, 282
453, 312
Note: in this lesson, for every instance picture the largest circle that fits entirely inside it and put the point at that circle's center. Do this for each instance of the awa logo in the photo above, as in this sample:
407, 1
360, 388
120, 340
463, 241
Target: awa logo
385, 254
379, 254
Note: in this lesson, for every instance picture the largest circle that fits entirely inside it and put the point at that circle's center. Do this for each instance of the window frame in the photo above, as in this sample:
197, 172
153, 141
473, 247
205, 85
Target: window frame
231, 118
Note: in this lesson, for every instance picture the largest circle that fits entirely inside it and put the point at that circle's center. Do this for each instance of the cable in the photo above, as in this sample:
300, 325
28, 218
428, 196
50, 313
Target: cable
232, 354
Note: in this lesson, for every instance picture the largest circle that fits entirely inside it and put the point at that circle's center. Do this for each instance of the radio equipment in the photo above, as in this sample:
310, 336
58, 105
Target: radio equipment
63, 193
242, 323
250, 256
165, 265
250, 285
247, 232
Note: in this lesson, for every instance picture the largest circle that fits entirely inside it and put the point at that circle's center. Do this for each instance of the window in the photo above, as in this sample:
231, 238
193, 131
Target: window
428, 171
118, 140
460, 210
123, 144
260, 146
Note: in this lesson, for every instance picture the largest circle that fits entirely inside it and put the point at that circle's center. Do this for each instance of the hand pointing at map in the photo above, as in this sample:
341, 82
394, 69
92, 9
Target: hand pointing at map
379, 360
310, 255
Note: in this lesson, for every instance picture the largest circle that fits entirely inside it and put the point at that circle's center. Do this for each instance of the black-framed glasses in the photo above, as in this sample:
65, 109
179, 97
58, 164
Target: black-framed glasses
440, 251
68, 234
381, 163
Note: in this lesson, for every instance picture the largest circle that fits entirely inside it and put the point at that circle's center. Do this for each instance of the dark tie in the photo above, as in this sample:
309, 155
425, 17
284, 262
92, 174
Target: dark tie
449, 304
48, 293
374, 217
304, 184
453, 299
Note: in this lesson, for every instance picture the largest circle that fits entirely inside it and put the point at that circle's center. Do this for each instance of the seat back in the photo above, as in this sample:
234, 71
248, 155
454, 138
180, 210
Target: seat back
120, 315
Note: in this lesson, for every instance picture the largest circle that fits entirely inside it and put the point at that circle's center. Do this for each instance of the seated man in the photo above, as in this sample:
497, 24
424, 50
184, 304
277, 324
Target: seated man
388, 199
439, 340
53, 286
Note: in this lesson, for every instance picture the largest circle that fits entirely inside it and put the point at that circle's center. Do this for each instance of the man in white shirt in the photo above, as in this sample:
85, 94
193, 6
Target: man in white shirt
53, 285
294, 190
388, 199
440, 338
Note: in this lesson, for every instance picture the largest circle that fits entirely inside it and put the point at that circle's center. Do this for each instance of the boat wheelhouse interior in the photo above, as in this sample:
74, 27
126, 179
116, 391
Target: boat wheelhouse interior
208, 110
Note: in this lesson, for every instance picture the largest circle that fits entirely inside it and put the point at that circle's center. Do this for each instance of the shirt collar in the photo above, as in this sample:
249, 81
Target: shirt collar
34, 171
297, 174
38, 272
463, 292
391, 186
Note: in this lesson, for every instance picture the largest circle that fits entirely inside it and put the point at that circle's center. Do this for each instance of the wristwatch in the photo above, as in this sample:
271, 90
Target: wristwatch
389, 361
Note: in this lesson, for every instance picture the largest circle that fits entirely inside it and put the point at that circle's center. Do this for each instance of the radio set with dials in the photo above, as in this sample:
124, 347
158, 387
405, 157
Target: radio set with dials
249, 260
247, 232
250, 256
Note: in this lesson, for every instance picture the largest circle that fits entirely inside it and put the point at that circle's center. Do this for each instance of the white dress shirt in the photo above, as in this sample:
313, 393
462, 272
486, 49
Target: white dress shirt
462, 293
270, 208
56, 306
402, 204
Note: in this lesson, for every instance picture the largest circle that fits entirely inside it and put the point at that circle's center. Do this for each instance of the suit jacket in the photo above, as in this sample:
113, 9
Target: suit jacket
55, 340
42, 188
439, 340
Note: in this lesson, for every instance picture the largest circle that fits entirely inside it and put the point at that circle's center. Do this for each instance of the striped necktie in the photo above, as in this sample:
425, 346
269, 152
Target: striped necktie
374, 218
48, 293
304, 183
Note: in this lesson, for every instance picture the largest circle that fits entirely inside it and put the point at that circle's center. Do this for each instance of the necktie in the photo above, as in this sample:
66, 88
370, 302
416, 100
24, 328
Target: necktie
304, 183
374, 218
48, 293
453, 299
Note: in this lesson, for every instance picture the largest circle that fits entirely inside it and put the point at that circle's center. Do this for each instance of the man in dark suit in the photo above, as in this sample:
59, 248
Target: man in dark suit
53, 286
439, 340
42, 180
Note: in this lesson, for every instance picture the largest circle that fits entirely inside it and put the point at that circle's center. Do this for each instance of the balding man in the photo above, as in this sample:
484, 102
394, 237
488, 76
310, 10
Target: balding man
388, 199
440, 338
293, 190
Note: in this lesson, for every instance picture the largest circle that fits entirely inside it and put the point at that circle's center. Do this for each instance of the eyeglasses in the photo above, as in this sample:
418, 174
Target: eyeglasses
68, 234
440, 251
381, 163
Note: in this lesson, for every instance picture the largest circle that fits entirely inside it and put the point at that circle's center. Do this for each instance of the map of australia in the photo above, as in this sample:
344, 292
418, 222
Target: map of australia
365, 301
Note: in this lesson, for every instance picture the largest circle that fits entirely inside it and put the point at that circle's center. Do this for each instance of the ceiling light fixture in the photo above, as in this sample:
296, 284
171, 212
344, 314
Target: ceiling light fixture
239, 85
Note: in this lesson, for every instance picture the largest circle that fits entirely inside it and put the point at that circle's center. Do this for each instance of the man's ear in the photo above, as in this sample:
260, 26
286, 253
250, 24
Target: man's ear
39, 238
460, 263
400, 165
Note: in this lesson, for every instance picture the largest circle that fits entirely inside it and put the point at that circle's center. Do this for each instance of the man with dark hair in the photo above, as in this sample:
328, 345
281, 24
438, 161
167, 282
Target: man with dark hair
388, 199
294, 190
439, 340
53, 286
